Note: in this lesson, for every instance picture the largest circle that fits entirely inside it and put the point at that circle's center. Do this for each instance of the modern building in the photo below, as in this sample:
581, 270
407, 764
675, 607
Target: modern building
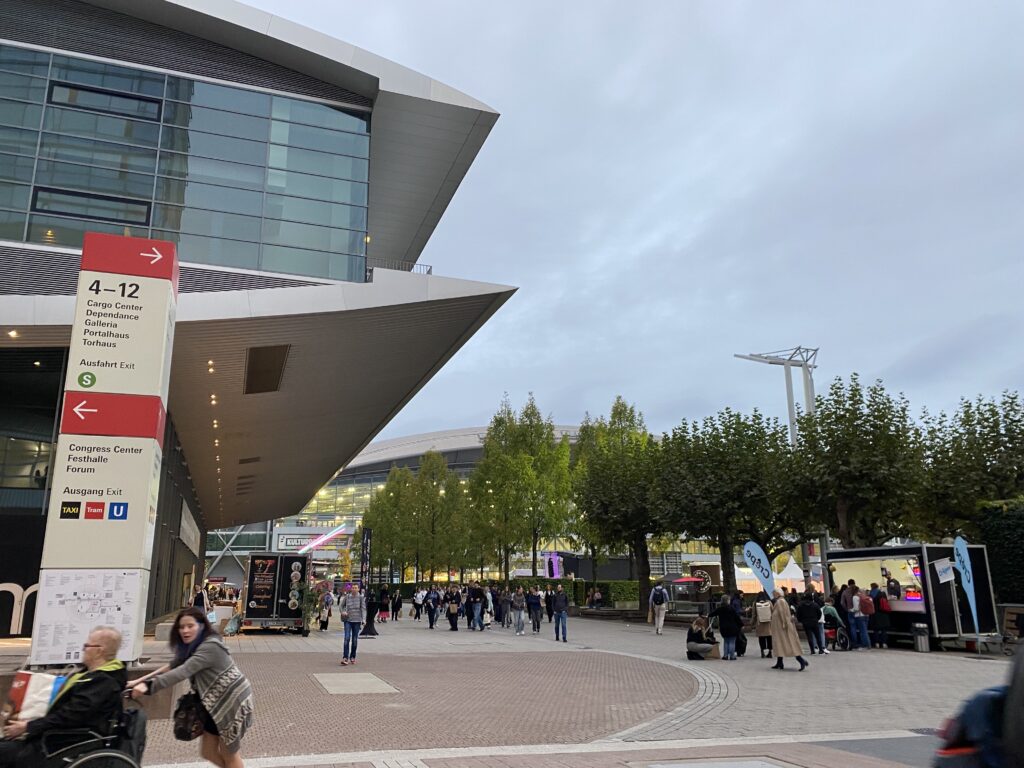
300, 178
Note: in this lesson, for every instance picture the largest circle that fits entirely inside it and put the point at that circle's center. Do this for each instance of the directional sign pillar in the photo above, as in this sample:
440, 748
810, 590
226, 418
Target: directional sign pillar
106, 476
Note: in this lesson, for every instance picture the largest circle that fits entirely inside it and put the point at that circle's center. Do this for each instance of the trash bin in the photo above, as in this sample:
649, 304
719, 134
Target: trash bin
920, 633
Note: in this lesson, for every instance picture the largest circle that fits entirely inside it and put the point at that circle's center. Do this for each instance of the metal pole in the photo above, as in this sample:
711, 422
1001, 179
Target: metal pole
790, 404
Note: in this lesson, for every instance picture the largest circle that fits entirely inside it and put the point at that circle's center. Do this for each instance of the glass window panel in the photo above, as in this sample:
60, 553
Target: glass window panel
218, 96
319, 187
14, 195
107, 76
212, 250
90, 152
12, 225
91, 206
15, 168
20, 114
99, 101
22, 87
92, 125
53, 230
314, 263
212, 145
314, 212
322, 115
196, 221
319, 163
215, 198
92, 179
23, 60
216, 121
315, 238
320, 139
213, 171
18, 140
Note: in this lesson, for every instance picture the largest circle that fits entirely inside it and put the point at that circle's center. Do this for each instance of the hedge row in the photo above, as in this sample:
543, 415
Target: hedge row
1002, 530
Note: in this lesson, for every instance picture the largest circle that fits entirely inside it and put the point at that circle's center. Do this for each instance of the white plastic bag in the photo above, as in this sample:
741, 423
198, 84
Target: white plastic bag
37, 696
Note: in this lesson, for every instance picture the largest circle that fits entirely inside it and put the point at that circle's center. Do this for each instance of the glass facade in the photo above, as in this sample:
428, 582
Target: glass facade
235, 177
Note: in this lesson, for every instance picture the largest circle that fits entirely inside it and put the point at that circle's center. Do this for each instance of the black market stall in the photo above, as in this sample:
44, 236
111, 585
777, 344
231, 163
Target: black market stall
922, 587
273, 594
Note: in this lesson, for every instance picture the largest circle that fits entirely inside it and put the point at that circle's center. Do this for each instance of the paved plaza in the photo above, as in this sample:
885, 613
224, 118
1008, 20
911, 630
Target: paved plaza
614, 695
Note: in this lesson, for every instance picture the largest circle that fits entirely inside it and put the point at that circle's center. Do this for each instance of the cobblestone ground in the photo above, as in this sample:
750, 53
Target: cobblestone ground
615, 695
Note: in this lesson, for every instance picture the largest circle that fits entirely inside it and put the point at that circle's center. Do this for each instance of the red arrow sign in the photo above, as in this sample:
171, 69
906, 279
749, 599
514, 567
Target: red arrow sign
99, 413
121, 255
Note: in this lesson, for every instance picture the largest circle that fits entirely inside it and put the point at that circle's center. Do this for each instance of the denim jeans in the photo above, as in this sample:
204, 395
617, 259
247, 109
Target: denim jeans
860, 624
477, 616
351, 635
560, 620
730, 647
517, 617
821, 635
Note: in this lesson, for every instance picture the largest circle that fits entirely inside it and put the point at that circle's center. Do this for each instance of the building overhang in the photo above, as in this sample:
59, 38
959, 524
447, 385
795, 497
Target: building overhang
356, 354
424, 134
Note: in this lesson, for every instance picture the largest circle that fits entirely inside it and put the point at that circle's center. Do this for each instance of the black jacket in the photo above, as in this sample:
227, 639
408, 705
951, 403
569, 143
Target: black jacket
807, 612
91, 701
560, 602
729, 624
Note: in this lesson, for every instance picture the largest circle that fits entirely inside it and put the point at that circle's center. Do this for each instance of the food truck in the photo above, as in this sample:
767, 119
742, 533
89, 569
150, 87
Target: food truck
922, 587
273, 591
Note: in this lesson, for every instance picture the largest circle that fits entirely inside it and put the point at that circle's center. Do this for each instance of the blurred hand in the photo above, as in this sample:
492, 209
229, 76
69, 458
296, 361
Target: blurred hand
139, 691
15, 728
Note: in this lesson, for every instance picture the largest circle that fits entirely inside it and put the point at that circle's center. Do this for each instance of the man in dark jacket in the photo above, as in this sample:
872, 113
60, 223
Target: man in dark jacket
549, 602
809, 614
560, 607
90, 698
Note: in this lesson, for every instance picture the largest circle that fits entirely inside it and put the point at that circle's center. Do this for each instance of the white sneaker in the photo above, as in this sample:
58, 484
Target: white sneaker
826, 650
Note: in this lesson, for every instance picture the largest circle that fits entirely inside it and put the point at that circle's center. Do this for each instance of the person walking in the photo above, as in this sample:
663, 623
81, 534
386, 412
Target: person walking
518, 605
396, 604
657, 603
326, 609
384, 611
506, 608
417, 602
809, 615
226, 701
199, 599
476, 604
453, 598
432, 601
560, 608
535, 606
730, 626
549, 602
763, 624
784, 638
352, 610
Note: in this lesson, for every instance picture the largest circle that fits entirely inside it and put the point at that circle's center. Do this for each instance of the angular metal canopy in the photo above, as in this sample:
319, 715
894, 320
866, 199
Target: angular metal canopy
356, 353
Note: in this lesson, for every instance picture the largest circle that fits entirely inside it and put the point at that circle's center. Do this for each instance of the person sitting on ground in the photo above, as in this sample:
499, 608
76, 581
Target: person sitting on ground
90, 698
699, 640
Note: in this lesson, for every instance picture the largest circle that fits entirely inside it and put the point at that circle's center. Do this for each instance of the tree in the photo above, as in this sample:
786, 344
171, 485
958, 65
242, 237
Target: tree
714, 483
615, 491
861, 456
973, 456
433, 511
392, 517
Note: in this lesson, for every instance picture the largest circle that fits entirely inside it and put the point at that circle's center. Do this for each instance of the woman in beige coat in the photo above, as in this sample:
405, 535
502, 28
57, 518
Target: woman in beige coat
784, 638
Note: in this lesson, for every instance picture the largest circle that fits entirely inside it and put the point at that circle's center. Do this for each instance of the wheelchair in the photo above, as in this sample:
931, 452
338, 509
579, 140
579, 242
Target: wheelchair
836, 635
83, 748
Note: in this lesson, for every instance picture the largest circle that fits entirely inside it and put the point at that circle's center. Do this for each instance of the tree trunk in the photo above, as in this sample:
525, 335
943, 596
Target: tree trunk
725, 549
507, 562
536, 537
593, 563
632, 563
643, 563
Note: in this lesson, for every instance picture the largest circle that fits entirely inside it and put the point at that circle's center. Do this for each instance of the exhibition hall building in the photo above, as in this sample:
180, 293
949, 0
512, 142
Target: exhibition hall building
299, 178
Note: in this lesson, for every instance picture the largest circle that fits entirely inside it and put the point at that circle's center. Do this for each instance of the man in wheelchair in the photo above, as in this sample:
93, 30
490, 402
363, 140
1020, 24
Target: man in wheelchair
89, 701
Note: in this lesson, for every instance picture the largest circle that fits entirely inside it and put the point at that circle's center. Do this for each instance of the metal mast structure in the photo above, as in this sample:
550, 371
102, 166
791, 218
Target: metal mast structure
804, 358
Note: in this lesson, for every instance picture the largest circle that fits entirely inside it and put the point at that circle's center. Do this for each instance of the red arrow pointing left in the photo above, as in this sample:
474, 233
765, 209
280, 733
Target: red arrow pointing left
104, 413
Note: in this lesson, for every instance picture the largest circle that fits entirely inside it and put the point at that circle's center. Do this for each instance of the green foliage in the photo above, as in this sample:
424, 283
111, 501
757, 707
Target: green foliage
617, 591
1001, 530
616, 473
861, 463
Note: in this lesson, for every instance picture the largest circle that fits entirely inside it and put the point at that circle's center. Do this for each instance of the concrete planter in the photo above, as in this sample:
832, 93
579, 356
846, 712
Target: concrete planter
627, 605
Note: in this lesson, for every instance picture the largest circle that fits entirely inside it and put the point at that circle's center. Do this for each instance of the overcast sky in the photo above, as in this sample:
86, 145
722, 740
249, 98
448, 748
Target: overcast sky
673, 183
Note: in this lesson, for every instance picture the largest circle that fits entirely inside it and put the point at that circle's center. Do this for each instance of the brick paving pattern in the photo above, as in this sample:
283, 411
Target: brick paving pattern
475, 699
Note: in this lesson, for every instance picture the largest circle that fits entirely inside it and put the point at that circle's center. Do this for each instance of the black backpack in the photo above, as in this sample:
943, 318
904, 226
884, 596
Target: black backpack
659, 596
